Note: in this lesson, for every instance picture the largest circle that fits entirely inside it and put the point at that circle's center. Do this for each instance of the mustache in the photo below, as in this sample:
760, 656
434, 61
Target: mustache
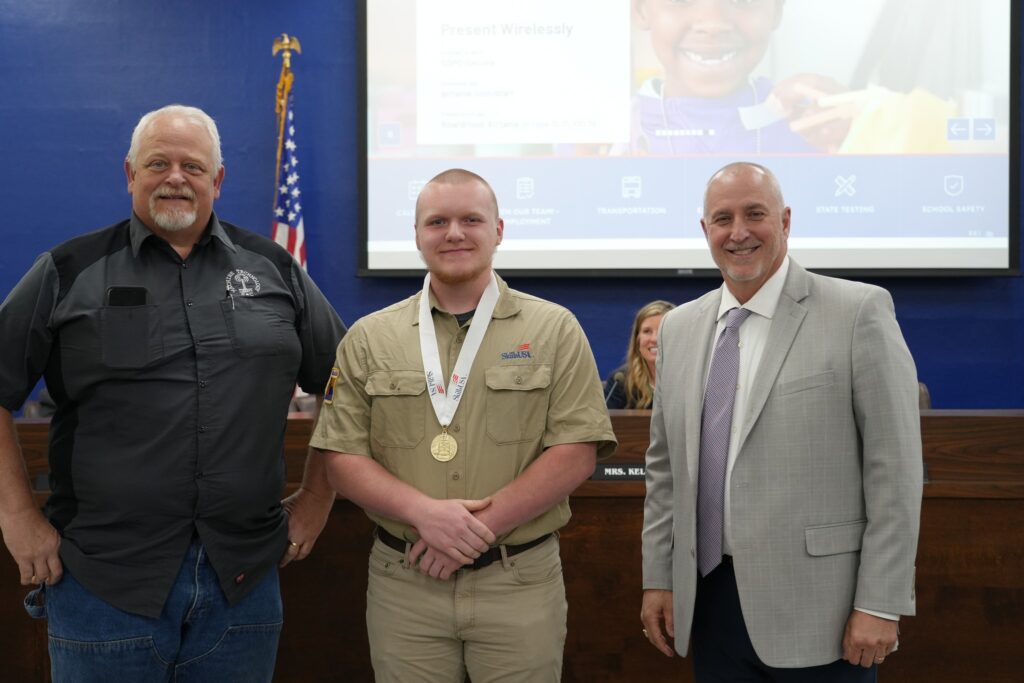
184, 191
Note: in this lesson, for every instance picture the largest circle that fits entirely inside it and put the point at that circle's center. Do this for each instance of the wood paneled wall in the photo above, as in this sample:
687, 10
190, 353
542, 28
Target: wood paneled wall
970, 581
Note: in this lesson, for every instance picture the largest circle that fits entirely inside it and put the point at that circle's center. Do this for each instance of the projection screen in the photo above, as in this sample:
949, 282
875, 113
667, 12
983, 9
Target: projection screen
891, 124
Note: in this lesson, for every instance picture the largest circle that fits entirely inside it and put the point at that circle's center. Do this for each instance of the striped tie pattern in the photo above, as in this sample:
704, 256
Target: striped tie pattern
716, 424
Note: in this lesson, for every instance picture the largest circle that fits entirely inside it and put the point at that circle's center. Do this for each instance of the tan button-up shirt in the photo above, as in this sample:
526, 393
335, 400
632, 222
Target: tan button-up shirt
533, 385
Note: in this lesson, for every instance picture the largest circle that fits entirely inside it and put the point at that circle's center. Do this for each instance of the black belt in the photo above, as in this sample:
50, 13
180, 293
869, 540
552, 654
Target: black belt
486, 558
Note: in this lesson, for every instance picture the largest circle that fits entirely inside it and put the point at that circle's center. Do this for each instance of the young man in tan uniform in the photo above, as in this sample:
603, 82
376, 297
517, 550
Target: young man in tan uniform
461, 424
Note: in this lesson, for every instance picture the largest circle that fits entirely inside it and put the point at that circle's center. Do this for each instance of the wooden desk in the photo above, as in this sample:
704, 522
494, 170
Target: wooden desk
970, 582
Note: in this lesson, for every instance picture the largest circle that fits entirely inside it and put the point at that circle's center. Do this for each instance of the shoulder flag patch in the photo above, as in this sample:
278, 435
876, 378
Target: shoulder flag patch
329, 389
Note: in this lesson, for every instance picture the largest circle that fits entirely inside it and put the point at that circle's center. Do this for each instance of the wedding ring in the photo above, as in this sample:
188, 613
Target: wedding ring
293, 544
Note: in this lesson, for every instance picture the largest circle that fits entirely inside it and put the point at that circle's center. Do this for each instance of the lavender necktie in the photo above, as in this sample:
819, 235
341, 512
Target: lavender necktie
716, 424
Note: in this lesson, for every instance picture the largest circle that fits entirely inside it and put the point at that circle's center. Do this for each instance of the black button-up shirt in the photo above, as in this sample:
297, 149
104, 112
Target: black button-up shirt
172, 380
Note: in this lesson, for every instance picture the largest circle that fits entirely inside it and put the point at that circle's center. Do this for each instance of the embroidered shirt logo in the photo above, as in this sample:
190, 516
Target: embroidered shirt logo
242, 283
522, 351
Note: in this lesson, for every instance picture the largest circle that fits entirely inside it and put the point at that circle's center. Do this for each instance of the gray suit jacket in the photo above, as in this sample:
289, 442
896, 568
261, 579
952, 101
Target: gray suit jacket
826, 487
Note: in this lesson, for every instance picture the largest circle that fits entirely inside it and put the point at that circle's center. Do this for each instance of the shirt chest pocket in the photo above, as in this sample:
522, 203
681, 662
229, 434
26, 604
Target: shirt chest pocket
130, 336
255, 327
517, 402
397, 407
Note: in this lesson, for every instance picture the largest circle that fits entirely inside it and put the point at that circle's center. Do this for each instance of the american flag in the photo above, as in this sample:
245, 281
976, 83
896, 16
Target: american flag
288, 230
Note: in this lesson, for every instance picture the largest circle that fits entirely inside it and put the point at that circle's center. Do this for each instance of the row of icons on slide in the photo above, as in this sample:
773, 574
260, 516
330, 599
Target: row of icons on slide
632, 186
846, 186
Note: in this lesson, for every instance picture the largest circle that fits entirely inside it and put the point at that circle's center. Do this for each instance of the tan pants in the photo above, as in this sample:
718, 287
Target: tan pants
505, 622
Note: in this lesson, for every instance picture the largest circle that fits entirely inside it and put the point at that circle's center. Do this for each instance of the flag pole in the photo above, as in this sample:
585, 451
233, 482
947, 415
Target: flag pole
285, 44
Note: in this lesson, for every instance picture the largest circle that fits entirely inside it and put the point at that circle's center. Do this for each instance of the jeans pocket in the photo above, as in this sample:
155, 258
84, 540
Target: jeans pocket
384, 561
244, 653
35, 603
130, 659
538, 565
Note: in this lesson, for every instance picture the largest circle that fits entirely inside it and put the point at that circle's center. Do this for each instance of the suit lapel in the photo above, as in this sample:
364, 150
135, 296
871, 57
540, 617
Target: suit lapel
703, 329
789, 315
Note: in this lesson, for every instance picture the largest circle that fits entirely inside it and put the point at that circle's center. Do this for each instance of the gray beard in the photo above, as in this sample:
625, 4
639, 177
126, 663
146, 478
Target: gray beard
173, 221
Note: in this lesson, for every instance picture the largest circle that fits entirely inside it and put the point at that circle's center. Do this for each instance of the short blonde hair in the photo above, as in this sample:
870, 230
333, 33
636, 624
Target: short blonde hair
456, 176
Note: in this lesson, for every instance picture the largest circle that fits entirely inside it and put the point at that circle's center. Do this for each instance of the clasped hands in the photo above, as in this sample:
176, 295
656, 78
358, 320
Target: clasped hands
451, 536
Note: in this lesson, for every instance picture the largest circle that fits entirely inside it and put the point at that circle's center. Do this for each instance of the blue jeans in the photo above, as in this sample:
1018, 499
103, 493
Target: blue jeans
198, 637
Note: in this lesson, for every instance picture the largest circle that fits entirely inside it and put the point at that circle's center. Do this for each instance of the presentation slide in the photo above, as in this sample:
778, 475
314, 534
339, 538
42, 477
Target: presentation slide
599, 123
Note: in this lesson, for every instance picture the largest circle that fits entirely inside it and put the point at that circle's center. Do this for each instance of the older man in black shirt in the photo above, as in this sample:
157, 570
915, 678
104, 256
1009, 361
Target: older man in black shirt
171, 343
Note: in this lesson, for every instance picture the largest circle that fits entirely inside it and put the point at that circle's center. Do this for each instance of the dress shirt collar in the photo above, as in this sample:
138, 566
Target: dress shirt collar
765, 300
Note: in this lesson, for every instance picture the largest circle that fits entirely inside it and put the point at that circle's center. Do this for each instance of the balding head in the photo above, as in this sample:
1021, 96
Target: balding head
757, 172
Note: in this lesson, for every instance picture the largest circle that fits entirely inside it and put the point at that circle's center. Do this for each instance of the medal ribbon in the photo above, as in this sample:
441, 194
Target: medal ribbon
445, 398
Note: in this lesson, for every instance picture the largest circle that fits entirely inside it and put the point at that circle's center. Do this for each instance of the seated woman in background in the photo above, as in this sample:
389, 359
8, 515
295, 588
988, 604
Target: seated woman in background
632, 385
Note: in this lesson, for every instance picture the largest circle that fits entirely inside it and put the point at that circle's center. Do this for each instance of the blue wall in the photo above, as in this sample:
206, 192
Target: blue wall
77, 74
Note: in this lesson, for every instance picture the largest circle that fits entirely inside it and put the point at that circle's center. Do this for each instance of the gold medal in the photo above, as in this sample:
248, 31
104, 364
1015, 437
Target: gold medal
443, 447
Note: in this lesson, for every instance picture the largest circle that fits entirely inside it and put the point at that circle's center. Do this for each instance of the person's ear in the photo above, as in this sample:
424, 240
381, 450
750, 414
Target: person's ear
217, 181
129, 173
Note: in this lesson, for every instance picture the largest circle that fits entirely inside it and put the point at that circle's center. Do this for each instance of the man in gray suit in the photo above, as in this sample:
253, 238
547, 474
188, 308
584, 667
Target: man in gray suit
784, 472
